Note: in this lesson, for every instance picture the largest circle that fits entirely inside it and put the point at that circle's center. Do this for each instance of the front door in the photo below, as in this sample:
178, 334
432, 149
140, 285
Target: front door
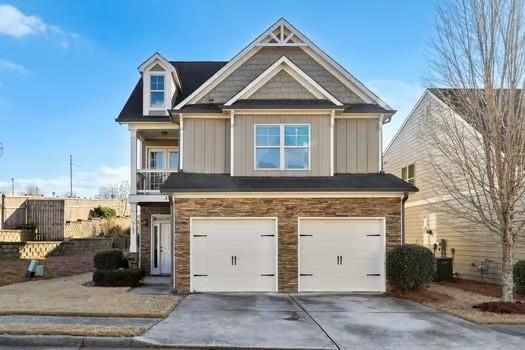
161, 248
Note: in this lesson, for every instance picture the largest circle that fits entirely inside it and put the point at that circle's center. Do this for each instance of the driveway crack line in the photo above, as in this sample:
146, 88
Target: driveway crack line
314, 321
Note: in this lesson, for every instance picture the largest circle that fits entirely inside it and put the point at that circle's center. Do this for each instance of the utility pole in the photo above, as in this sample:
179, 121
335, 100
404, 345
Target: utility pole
70, 176
12, 186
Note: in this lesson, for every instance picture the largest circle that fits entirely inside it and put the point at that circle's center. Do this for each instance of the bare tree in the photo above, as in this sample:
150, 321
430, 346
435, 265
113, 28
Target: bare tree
480, 157
33, 190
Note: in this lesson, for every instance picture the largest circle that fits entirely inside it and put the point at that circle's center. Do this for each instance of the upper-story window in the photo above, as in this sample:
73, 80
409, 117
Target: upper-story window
282, 147
157, 90
408, 173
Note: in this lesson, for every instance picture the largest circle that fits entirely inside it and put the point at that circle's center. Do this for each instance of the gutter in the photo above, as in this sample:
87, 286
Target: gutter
403, 200
172, 240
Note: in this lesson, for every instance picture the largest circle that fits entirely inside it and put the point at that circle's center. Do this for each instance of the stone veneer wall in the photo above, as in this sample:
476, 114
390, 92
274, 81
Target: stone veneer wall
145, 232
287, 210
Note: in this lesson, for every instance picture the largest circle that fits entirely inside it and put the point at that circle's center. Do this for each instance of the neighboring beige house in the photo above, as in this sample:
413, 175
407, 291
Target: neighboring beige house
262, 173
477, 254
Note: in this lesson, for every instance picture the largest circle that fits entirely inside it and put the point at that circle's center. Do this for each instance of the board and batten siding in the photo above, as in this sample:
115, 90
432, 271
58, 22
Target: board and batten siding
206, 145
356, 146
244, 129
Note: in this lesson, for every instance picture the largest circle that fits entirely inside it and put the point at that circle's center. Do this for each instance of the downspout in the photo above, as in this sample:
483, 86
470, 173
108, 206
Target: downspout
403, 200
172, 242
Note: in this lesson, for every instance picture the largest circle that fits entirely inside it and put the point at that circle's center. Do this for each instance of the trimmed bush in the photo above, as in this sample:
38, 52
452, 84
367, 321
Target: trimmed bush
118, 278
105, 212
110, 259
519, 277
410, 267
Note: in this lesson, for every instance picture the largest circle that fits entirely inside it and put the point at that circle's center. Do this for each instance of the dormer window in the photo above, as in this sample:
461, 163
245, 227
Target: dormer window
157, 91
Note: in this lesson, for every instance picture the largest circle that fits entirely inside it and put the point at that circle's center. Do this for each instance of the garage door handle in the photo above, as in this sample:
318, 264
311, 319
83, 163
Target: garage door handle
306, 274
373, 235
373, 274
200, 275
200, 235
306, 235
234, 260
267, 235
267, 274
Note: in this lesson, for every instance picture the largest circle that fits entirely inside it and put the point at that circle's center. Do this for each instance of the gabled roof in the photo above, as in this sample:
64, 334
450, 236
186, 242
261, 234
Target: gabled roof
288, 66
197, 182
282, 33
191, 73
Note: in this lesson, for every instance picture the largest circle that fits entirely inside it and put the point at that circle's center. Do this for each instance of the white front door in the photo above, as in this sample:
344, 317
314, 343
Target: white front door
342, 254
233, 254
161, 248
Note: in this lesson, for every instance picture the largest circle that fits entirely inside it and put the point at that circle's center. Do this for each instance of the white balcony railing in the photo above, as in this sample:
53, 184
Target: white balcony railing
149, 180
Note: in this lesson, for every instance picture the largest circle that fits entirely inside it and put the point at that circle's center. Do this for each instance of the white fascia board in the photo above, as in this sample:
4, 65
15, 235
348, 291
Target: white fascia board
151, 126
308, 46
288, 66
288, 194
222, 73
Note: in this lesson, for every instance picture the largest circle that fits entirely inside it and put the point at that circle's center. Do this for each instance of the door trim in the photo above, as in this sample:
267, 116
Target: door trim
336, 218
158, 219
239, 218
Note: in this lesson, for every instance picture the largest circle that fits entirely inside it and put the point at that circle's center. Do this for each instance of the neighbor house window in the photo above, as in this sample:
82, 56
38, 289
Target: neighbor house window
408, 174
157, 91
282, 147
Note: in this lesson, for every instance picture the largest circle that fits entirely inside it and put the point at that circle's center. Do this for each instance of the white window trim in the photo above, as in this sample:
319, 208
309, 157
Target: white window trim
282, 147
150, 106
413, 178
165, 151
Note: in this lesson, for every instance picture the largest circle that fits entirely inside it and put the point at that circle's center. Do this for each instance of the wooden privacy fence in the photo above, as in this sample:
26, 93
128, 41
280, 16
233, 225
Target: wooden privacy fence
47, 215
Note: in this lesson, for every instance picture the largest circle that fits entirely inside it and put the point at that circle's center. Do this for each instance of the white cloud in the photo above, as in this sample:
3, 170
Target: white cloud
11, 67
401, 96
14, 23
85, 184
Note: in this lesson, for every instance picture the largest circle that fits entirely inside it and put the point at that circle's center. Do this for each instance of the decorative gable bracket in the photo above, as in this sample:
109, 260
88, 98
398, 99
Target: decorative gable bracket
282, 35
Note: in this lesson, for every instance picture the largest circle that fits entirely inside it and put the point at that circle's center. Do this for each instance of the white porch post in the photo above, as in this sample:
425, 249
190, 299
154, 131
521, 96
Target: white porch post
133, 229
133, 165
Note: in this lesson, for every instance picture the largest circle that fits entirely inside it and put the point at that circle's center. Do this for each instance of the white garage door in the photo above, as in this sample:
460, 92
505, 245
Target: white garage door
237, 254
342, 254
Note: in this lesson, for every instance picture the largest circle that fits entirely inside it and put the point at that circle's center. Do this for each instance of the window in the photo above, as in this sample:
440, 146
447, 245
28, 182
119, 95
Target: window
173, 159
157, 90
408, 174
163, 159
282, 147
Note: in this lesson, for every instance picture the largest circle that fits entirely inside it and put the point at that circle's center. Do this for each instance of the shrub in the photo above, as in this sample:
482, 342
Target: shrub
118, 278
410, 267
519, 277
110, 259
105, 212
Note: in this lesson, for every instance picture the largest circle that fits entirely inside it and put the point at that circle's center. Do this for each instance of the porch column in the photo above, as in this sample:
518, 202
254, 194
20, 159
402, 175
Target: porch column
133, 229
133, 165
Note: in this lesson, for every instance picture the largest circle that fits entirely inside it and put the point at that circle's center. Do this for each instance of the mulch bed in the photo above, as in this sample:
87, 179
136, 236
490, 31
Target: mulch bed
14, 271
483, 288
422, 296
500, 307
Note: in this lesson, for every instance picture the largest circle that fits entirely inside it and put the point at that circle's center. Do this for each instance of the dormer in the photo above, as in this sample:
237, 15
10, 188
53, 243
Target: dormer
160, 83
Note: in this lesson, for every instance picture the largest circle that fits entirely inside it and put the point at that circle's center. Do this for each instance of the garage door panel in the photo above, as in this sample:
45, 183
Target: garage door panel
341, 255
235, 255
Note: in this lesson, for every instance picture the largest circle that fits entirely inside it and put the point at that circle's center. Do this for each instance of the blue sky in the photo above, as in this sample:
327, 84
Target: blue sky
67, 67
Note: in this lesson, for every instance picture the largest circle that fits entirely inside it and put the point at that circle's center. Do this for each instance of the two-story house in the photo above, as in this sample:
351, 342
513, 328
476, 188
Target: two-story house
262, 173
411, 155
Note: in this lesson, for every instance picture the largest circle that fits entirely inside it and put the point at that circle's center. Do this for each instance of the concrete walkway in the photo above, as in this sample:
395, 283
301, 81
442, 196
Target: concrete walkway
78, 321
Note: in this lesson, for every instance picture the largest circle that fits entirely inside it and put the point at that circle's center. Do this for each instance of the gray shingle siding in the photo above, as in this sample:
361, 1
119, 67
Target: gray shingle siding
263, 59
282, 86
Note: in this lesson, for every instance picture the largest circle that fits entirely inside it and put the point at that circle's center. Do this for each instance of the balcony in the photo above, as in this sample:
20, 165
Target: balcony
149, 180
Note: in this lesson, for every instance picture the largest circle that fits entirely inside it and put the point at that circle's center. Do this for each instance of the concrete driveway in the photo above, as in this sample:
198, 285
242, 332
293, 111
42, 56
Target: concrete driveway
318, 321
